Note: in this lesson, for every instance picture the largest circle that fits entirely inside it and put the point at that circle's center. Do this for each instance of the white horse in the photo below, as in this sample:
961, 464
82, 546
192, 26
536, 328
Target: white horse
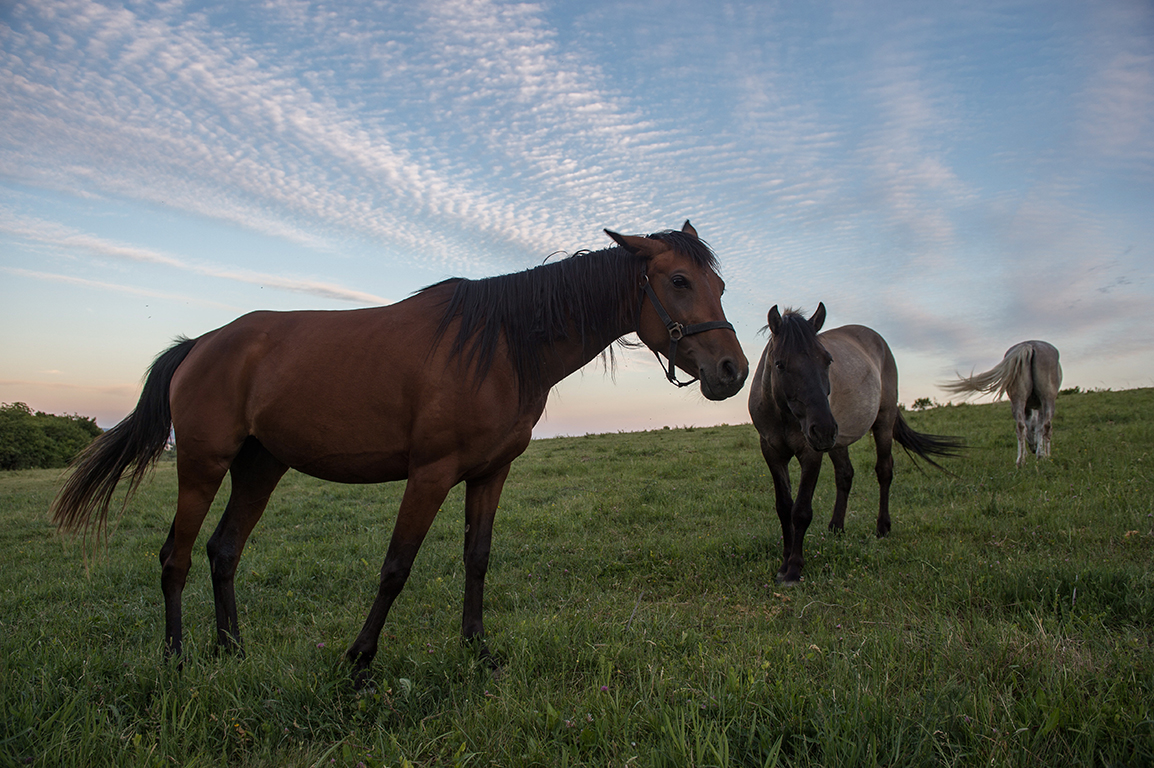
1031, 375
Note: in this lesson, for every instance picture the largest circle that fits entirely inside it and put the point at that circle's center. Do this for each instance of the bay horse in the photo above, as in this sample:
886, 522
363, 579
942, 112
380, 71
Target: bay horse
1031, 375
441, 388
815, 394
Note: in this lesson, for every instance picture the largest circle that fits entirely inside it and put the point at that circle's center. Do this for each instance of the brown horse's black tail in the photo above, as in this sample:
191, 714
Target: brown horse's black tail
135, 442
925, 445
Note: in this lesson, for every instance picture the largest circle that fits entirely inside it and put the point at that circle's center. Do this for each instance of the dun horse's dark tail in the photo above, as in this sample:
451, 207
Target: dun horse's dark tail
926, 445
135, 442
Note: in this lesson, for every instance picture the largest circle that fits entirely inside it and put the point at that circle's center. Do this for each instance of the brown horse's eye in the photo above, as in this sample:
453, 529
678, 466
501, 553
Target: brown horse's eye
779, 365
679, 282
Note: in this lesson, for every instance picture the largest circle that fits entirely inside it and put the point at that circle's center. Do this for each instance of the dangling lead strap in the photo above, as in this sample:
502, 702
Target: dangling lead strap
677, 332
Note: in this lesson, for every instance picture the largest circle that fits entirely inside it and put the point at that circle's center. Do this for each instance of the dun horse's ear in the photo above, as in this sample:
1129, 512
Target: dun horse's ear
773, 319
688, 229
818, 319
638, 245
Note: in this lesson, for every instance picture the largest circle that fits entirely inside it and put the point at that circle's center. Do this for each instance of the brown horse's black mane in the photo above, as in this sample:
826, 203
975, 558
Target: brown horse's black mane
588, 292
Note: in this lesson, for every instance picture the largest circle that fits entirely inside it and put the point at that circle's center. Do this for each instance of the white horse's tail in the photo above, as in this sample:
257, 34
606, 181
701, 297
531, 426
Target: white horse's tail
999, 379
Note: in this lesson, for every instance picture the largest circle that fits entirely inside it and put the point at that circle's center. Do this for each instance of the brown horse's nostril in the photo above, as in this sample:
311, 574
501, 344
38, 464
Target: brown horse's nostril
728, 370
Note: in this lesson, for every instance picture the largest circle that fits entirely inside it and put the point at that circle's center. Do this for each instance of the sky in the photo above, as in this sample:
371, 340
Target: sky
959, 176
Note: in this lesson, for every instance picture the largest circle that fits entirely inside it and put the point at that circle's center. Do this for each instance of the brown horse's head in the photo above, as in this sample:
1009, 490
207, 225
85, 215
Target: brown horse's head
798, 368
682, 317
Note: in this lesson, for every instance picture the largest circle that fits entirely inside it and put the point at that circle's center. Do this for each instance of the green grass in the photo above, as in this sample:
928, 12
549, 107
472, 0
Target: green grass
1007, 620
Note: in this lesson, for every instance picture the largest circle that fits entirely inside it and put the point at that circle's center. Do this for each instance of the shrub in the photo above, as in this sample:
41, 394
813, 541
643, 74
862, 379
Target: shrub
37, 440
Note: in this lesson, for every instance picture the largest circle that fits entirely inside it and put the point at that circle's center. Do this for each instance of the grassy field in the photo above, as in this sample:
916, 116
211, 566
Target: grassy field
1007, 620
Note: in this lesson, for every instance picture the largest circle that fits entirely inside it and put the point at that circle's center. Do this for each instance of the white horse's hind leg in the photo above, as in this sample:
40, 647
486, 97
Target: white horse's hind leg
1045, 428
1019, 410
1034, 432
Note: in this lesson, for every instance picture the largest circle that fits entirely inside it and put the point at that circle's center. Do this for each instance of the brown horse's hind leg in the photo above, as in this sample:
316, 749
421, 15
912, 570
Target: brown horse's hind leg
481, 499
884, 443
424, 494
255, 474
843, 480
198, 484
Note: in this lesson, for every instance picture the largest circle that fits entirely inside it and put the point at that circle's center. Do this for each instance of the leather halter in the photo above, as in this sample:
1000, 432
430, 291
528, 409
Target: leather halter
677, 332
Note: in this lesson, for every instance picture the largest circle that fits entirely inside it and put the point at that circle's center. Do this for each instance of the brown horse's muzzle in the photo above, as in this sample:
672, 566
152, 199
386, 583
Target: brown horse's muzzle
725, 379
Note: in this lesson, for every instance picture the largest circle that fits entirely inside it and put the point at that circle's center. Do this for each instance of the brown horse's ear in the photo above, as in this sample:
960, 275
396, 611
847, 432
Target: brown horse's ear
638, 245
688, 229
818, 319
773, 319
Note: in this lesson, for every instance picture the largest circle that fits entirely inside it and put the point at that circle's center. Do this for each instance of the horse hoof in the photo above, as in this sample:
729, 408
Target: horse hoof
362, 681
491, 663
360, 675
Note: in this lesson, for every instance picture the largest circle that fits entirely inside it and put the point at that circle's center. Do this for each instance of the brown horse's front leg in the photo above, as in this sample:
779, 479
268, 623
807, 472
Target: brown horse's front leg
802, 515
481, 497
424, 494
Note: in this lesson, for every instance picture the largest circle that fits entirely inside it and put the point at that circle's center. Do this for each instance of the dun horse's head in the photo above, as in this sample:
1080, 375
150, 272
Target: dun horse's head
800, 374
681, 315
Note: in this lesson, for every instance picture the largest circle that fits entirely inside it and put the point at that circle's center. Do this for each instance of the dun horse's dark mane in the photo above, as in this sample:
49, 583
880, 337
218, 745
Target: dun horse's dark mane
795, 334
589, 292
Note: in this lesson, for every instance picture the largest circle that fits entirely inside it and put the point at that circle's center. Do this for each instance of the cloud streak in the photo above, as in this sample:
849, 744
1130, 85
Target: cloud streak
67, 240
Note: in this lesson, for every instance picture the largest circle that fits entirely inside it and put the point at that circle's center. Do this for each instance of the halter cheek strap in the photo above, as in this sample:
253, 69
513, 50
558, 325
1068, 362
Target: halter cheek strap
677, 332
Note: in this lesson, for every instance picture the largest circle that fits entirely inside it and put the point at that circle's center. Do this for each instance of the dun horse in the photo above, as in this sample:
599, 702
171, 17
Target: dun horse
1031, 375
437, 389
813, 395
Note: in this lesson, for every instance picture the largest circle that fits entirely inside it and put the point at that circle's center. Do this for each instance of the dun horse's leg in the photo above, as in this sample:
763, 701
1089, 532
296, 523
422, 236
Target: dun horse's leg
481, 499
198, 484
255, 474
801, 515
424, 493
783, 500
843, 480
884, 443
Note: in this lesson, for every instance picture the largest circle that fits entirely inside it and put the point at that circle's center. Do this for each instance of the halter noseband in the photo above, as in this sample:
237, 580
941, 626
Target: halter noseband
677, 332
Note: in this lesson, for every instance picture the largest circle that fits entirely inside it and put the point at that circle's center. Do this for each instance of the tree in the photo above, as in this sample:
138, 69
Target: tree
31, 440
